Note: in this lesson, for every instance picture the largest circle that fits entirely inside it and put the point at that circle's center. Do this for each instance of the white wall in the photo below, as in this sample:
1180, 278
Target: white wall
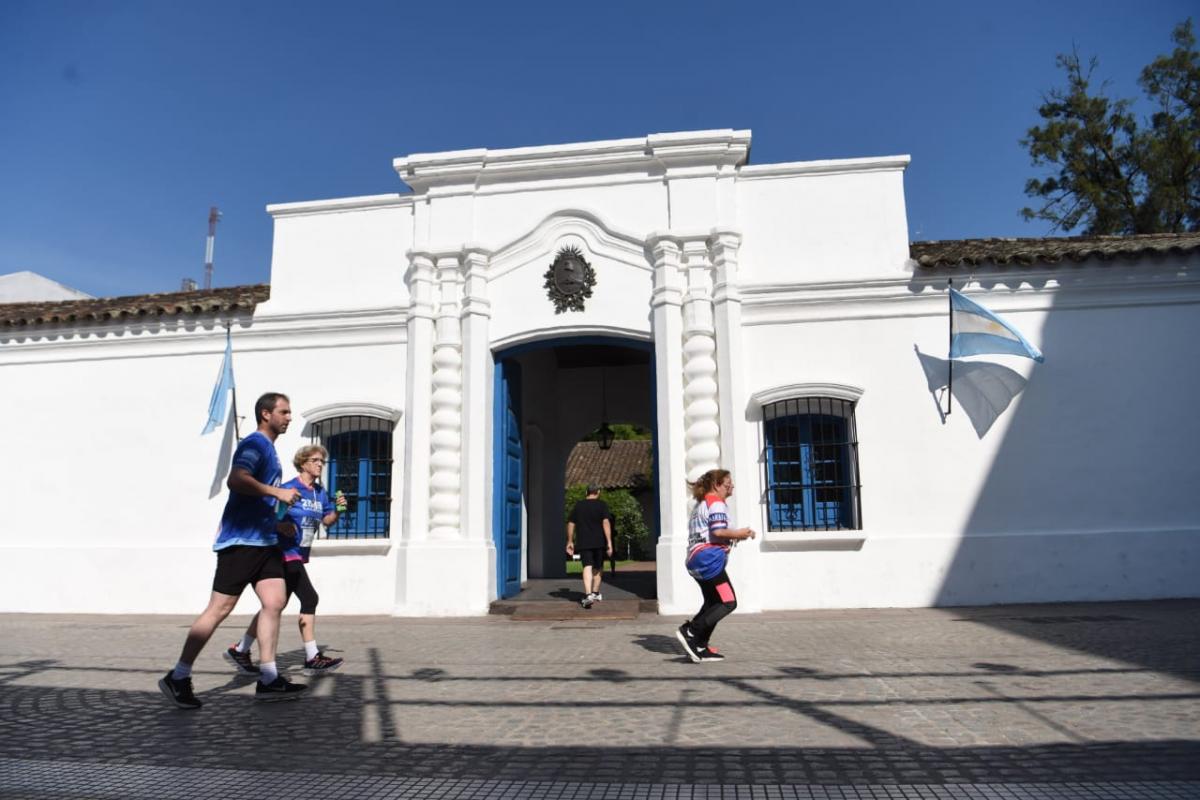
343, 255
1078, 491
112, 512
839, 220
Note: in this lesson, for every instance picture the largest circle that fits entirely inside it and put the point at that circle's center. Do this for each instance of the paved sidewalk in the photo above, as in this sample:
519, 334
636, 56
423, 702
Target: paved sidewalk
1055, 701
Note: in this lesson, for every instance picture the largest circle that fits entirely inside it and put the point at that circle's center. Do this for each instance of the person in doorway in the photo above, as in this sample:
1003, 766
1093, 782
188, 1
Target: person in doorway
589, 523
709, 540
304, 519
247, 553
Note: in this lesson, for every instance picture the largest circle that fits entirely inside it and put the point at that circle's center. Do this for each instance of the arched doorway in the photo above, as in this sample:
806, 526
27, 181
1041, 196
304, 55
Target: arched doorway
548, 395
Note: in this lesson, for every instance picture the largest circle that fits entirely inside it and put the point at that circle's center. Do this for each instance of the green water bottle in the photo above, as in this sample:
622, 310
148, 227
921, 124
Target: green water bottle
281, 509
339, 502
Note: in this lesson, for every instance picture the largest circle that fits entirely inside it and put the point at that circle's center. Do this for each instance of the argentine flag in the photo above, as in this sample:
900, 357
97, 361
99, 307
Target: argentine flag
978, 331
220, 395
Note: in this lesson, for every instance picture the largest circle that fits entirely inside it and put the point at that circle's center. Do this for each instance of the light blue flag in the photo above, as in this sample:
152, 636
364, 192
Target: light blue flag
220, 395
978, 331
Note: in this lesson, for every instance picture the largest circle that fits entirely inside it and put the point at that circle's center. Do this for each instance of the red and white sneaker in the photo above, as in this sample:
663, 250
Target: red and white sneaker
320, 664
242, 661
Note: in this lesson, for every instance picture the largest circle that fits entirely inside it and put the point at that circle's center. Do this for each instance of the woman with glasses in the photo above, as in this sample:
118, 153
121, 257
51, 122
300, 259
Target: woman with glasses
296, 533
709, 539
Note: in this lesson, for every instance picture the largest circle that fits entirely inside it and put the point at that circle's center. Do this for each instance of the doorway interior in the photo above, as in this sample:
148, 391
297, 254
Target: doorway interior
549, 395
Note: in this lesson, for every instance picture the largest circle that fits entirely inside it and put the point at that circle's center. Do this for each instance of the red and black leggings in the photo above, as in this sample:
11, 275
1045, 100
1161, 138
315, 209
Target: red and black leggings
719, 602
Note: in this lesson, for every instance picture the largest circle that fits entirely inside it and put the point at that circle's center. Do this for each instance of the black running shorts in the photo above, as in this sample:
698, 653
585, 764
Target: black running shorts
592, 557
241, 564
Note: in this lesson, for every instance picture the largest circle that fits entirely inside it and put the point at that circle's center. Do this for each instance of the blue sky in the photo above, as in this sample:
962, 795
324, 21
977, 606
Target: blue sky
122, 122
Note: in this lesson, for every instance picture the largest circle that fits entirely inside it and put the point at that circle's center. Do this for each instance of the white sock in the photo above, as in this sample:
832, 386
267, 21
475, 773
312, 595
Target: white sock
310, 650
181, 671
245, 644
269, 672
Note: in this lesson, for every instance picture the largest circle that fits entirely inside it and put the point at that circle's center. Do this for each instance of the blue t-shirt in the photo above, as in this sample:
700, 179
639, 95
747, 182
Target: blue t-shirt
306, 515
251, 520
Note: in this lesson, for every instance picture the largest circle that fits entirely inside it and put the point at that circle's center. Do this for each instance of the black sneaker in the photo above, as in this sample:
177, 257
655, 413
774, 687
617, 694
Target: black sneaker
710, 654
688, 640
278, 689
320, 664
242, 661
178, 691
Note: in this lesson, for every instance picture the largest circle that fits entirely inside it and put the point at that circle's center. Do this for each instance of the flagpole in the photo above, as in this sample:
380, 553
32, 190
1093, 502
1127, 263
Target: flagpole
949, 357
232, 389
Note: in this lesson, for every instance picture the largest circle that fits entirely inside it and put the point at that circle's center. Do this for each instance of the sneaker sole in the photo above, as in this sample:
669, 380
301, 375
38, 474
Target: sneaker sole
241, 670
277, 697
687, 648
166, 690
707, 658
313, 673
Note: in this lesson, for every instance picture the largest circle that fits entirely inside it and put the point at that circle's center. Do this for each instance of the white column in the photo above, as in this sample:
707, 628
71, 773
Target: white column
445, 455
478, 374
727, 326
676, 591
447, 570
420, 280
701, 409
738, 442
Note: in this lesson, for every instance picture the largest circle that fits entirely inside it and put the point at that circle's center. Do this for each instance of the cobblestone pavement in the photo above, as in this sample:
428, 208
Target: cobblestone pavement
1052, 701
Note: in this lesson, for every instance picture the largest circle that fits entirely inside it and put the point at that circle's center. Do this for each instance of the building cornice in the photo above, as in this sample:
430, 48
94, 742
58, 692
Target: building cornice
1002, 291
339, 205
179, 337
656, 153
839, 166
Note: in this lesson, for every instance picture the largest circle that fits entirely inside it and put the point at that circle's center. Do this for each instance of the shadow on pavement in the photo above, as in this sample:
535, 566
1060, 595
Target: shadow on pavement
355, 729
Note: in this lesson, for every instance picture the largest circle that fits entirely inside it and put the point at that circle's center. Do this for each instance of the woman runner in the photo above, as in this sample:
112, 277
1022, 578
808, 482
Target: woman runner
709, 538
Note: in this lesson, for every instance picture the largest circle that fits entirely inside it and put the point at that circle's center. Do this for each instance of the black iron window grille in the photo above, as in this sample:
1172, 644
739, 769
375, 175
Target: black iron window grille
360, 466
810, 459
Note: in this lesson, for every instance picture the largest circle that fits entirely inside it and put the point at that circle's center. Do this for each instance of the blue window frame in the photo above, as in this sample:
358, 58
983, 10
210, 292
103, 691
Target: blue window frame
811, 462
360, 466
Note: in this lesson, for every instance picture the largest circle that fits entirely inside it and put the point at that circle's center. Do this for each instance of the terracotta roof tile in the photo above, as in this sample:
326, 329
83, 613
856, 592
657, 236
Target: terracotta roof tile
620, 467
68, 312
1050, 250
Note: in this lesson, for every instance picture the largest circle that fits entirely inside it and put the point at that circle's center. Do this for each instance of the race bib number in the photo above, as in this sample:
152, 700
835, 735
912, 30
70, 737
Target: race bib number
307, 534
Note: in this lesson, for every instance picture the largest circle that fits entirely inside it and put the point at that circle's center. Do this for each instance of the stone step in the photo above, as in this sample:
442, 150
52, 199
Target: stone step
562, 610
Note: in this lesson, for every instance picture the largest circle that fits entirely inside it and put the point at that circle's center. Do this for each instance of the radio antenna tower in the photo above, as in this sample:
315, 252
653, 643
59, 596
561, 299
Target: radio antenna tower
213, 216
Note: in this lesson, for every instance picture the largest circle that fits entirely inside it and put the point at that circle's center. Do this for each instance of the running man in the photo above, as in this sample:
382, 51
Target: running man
247, 553
306, 516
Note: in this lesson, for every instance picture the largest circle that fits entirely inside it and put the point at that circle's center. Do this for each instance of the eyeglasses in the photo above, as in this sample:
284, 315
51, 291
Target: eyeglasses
316, 461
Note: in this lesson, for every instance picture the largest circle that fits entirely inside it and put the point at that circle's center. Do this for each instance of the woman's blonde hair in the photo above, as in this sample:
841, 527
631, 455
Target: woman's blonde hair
707, 483
306, 452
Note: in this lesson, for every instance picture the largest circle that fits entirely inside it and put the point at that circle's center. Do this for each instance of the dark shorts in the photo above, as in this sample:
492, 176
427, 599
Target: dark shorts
242, 564
295, 578
592, 557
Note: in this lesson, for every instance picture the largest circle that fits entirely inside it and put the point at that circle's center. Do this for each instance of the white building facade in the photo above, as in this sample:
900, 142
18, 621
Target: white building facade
772, 320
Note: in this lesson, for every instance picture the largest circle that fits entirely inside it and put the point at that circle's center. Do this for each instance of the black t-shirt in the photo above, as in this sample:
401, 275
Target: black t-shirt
588, 516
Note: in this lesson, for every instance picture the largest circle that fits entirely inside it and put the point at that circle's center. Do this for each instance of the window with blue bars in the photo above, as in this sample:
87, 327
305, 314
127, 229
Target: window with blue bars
811, 461
360, 466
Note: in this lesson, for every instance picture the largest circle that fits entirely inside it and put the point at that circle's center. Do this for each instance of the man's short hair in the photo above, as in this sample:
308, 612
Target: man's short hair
267, 403
593, 489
